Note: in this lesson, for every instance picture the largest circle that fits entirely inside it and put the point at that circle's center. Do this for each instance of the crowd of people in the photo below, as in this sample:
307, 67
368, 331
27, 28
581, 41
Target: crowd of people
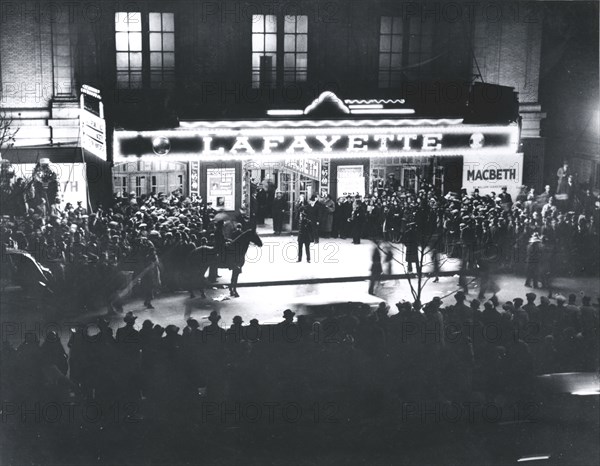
533, 235
491, 230
369, 361
148, 235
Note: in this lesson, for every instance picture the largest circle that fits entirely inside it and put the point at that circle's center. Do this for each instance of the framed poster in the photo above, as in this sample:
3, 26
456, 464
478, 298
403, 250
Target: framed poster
350, 180
220, 188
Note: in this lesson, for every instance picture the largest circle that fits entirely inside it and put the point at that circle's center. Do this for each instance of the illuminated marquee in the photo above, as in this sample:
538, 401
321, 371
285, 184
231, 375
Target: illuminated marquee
248, 140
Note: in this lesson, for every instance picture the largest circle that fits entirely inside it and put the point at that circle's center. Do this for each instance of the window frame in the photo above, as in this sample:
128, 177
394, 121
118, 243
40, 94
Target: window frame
281, 75
406, 69
147, 71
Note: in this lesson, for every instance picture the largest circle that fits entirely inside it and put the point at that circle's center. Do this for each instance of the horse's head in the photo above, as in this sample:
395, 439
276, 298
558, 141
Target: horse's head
254, 238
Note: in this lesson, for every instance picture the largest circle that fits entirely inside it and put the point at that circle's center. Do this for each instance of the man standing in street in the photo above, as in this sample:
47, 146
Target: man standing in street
305, 236
376, 268
313, 213
534, 255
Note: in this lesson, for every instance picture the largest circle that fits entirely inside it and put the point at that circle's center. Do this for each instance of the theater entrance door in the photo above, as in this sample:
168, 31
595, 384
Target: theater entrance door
295, 188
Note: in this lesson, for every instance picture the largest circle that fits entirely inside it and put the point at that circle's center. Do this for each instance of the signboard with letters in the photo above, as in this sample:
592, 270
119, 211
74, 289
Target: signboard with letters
489, 175
324, 177
306, 167
322, 141
92, 125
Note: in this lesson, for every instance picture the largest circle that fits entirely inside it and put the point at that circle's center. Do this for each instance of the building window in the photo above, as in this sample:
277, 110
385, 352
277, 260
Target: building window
390, 51
264, 50
405, 50
128, 42
161, 28
295, 48
138, 58
420, 49
279, 51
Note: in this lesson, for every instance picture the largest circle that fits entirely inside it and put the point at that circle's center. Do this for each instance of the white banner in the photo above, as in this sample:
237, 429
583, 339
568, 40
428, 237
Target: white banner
71, 178
491, 174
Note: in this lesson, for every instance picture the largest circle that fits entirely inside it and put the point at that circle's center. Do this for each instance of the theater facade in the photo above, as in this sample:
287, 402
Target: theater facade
333, 146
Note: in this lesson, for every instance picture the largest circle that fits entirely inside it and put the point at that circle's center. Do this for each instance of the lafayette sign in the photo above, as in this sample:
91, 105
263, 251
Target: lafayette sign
326, 142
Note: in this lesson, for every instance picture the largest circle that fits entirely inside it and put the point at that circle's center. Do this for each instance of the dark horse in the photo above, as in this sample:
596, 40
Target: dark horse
232, 257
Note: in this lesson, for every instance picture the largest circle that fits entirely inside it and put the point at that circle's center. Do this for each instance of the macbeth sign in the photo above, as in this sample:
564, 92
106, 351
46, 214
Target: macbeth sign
238, 140
491, 175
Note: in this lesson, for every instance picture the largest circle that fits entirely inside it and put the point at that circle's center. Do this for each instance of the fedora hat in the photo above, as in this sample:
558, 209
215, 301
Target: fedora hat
129, 317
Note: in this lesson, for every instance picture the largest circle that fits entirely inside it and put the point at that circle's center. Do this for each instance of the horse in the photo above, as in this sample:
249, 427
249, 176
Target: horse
232, 257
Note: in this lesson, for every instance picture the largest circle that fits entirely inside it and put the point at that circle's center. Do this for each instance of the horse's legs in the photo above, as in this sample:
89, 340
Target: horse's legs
233, 286
201, 273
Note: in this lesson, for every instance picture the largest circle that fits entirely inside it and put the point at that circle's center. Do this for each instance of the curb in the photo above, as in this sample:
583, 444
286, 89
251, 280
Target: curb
312, 281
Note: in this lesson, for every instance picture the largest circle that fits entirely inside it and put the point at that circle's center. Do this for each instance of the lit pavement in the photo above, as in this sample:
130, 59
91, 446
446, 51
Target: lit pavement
276, 261
338, 272
268, 302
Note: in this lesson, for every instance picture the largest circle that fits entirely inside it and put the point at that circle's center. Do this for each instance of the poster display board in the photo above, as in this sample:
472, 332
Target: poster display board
220, 188
350, 180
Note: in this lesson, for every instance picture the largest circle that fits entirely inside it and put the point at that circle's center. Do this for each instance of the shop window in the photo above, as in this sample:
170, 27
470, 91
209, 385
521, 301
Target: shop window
279, 49
137, 58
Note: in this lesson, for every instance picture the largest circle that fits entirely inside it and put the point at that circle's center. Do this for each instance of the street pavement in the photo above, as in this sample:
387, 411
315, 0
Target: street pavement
273, 281
276, 261
267, 303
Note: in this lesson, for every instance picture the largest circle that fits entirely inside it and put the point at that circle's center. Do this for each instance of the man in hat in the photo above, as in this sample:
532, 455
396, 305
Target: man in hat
530, 307
313, 212
533, 257
150, 278
460, 311
376, 268
234, 333
128, 337
305, 236
213, 334
128, 365
252, 332
278, 209
288, 317
573, 312
236, 232
505, 199
191, 330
